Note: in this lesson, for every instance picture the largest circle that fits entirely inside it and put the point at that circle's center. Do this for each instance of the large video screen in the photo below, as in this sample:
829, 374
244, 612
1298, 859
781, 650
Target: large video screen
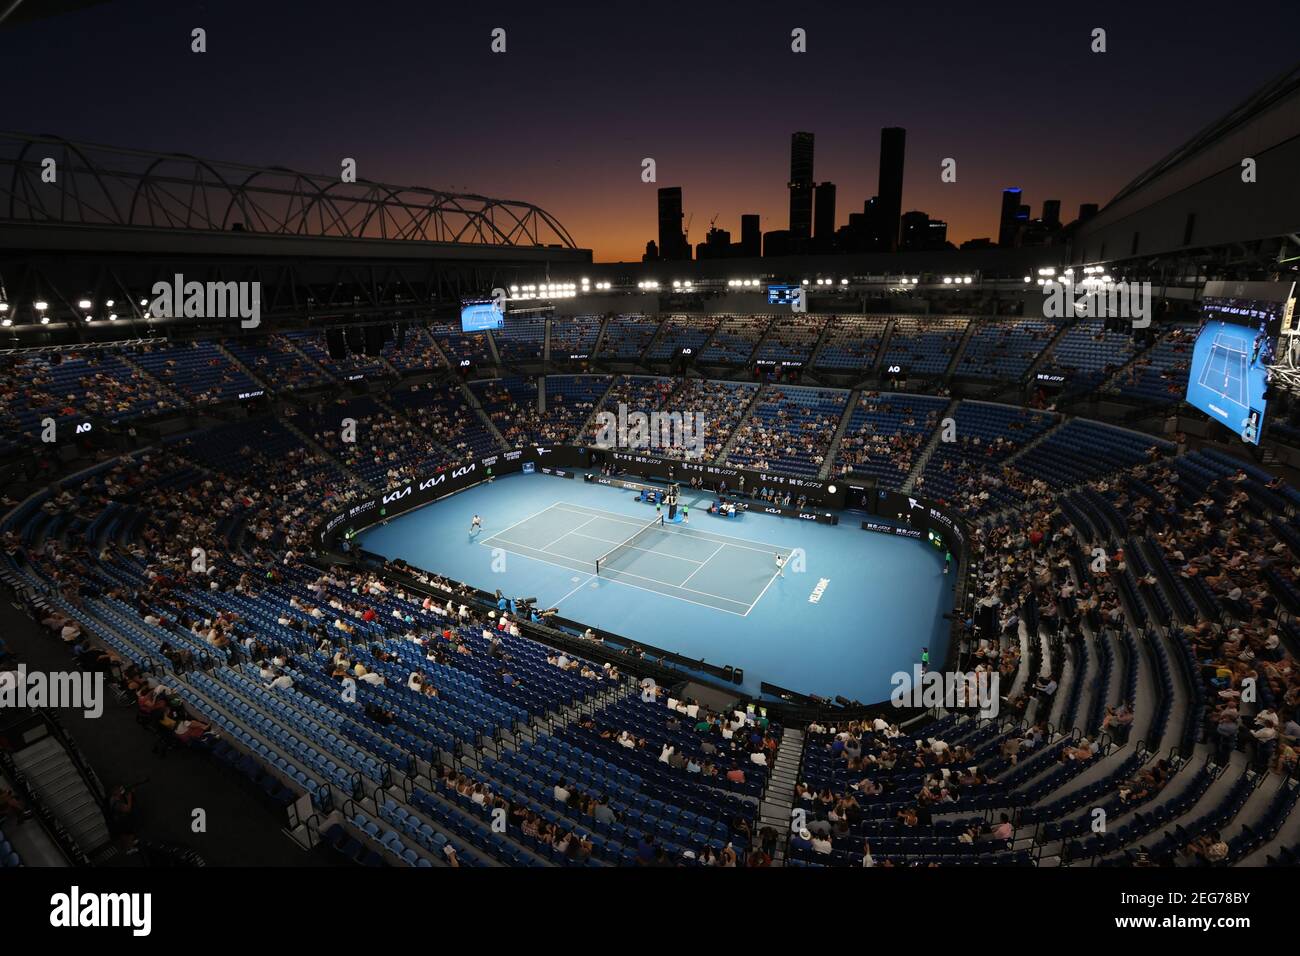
1230, 360
781, 294
478, 315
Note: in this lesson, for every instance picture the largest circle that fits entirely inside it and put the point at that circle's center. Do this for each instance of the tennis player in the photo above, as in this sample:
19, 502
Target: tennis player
475, 525
780, 564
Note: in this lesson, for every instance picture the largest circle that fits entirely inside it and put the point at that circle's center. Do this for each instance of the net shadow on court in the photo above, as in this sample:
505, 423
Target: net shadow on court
699, 567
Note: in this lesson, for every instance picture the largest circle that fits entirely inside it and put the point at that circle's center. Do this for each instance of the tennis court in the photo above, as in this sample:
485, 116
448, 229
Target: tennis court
675, 560
852, 609
1225, 369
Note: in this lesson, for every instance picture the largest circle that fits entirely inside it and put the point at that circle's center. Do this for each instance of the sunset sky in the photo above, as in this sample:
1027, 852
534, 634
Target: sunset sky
711, 91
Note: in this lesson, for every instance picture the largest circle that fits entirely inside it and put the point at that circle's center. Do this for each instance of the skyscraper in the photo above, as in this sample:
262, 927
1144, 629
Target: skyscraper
1051, 212
1007, 218
801, 186
920, 232
672, 241
751, 236
824, 218
893, 143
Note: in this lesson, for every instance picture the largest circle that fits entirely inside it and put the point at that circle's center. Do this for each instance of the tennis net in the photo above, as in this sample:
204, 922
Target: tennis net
623, 546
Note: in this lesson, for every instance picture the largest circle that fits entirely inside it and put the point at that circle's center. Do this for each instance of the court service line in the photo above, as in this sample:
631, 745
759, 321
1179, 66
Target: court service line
535, 514
629, 584
746, 543
566, 534
704, 562
633, 547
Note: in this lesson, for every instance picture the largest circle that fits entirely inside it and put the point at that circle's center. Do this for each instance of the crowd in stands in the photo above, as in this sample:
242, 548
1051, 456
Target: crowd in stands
1087, 538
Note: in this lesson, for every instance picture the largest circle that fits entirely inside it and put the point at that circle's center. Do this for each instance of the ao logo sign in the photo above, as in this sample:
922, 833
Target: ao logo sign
894, 369
83, 428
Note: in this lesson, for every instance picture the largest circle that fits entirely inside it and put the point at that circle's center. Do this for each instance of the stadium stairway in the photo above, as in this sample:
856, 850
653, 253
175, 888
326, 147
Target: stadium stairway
492, 349
600, 335
1287, 837
918, 466
883, 347
768, 331
1047, 350
833, 450
472, 401
596, 407
740, 422
311, 362
321, 452
959, 351
166, 390
817, 346
1115, 377
56, 780
775, 807
230, 357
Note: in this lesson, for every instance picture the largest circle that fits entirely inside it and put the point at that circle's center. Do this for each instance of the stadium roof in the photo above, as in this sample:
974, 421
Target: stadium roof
1197, 197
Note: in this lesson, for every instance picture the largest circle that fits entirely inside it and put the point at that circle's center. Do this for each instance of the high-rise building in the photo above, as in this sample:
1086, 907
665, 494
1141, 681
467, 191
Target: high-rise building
1051, 212
824, 217
716, 245
801, 186
919, 232
914, 226
893, 143
1007, 226
751, 236
873, 228
672, 241
1087, 211
936, 235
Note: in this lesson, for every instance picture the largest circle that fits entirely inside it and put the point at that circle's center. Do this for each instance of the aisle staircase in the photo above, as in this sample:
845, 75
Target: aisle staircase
778, 803
61, 788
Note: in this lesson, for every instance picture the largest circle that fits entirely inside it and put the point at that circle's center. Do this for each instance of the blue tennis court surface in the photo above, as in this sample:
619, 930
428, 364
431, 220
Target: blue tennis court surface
1228, 378
706, 589
678, 561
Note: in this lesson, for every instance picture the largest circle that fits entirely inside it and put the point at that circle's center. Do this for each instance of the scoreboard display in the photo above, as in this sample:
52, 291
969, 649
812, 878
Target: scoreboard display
782, 294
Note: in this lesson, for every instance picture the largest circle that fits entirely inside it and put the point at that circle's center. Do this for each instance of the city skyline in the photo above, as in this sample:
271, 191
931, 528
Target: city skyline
878, 223
590, 95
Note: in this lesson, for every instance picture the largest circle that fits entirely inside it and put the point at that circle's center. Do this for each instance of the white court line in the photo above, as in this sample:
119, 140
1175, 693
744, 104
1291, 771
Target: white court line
580, 509
746, 543
704, 562
675, 597
565, 535
574, 591
762, 592
632, 547
667, 584
521, 521
1215, 351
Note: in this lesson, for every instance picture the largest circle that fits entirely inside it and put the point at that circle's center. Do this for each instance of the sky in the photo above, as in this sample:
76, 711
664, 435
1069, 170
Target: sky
711, 91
